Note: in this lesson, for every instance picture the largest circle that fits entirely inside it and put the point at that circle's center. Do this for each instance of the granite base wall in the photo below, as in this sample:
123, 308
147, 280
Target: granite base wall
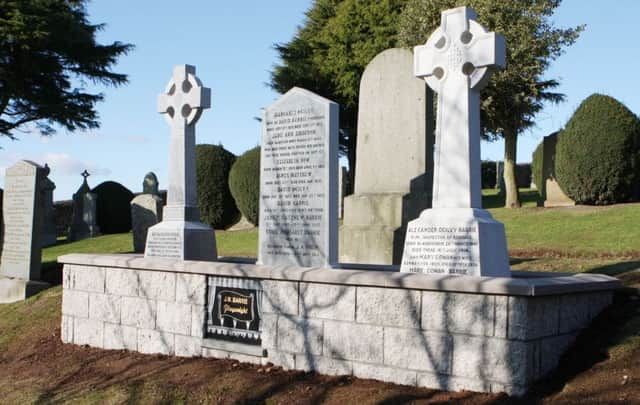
445, 340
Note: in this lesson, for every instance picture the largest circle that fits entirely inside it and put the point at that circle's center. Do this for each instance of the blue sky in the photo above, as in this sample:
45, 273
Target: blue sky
230, 43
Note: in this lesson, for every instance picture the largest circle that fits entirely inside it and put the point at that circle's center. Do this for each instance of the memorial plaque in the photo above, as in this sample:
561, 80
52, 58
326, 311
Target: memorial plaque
234, 310
299, 181
22, 221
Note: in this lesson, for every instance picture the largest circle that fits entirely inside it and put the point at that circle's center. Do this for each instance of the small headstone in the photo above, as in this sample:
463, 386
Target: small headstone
456, 236
150, 184
550, 189
23, 215
83, 223
181, 235
299, 181
146, 211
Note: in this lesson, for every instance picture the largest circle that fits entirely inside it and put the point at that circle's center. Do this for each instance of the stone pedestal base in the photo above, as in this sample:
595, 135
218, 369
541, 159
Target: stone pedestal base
456, 241
374, 226
186, 240
15, 289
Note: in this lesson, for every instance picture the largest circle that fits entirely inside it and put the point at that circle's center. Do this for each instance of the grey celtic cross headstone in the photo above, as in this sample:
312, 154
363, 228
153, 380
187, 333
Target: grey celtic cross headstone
181, 234
457, 236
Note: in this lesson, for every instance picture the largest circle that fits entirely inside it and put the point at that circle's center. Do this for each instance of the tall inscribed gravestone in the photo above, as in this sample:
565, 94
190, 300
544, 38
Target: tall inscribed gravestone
394, 160
457, 236
299, 181
181, 235
23, 213
83, 223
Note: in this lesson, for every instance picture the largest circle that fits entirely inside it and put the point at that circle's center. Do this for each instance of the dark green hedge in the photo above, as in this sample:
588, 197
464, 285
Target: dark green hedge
217, 207
536, 167
488, 173
113, 209
597, 153
244, 181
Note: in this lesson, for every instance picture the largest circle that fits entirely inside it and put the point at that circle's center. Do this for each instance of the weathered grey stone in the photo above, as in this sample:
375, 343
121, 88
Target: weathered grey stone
23, 217
138, 312
458, 313
118, 337
68, 276
599, 301
49, 232
191, 288
197, 320
158, 285
269, 331
500, 328
153, 341
75, 303
188, 346
417, 350
327, 301
280, 297
66, 329
285, 360
122, 282
388, 307
387, 374
351, 341
299, 335
299, 168
146, 211
88, 332
575, 311
531, 318
551, 349
493, 360
150, 184
221, 354
174, 317
105, 307
89, 279
16, 289
394, 125
323, 365
83, 222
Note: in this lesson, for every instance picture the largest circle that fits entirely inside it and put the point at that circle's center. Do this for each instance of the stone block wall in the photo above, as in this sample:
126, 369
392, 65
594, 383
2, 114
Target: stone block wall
446, 340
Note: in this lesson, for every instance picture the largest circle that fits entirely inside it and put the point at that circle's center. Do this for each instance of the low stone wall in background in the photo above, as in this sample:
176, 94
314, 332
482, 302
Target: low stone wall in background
452, 333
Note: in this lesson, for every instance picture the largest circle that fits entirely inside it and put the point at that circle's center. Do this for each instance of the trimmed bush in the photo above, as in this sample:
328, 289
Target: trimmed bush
113, 209
536, 167
217, 207
597, 153
244, 181
488, 172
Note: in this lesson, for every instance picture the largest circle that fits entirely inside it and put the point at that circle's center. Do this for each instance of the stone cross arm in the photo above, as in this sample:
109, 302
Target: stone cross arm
184, 98
460, 47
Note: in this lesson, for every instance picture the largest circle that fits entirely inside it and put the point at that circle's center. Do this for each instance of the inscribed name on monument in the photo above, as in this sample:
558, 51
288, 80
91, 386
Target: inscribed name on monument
299, 181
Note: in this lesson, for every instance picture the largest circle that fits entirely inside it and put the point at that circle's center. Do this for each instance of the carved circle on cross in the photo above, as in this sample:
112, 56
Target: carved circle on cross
184, 98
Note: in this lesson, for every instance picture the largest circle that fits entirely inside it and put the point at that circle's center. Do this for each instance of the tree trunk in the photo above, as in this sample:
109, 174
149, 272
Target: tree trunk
512, 199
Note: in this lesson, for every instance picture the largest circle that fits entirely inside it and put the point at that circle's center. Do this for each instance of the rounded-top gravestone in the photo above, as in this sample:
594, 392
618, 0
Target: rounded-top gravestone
150, 184
113, 212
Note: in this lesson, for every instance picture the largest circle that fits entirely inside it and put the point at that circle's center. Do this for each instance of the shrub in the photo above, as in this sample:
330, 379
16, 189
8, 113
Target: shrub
597, 153
244, 181
217, 207
113, 209
488, 172
536, 167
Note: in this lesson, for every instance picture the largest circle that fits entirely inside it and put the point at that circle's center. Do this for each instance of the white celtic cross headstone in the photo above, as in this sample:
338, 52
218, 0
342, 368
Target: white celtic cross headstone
181, 234
457, 236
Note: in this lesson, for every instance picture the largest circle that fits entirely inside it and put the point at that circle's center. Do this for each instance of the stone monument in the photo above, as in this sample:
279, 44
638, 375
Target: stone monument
457, 236
299, 181
23, 220
181, 234
550, 189
393, 170
83, 223
146, 211
49, 232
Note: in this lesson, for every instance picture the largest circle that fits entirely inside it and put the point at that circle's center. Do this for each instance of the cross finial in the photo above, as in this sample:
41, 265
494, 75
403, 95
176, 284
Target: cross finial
85, 174
184, 98
460, 47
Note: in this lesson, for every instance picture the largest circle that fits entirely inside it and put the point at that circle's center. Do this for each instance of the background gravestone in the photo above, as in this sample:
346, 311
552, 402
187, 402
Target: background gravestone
551, 191
23, 216
299, 181
49, 232
146, 211
113, 207
394, 160
83, 222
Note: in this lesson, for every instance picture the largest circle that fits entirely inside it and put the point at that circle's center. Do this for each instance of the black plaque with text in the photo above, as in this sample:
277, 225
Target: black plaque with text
233, 315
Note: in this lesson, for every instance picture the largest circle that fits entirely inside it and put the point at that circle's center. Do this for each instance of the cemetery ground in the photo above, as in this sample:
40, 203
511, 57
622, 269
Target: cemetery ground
602, 367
